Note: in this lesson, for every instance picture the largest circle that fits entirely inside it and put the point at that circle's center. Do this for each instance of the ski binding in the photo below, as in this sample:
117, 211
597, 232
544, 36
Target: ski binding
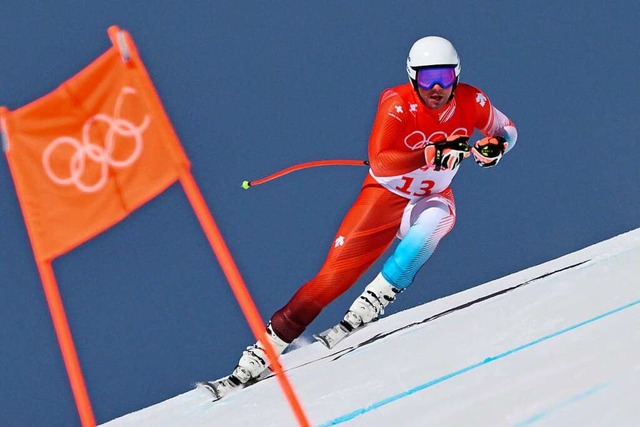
222, 387
335, 334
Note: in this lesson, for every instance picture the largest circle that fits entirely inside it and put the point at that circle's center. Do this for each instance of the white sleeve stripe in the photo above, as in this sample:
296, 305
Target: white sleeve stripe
510, 133
497, 121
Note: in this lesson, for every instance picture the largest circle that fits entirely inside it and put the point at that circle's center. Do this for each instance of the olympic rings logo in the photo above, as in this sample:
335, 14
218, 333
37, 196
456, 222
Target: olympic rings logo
417, 139
86, 150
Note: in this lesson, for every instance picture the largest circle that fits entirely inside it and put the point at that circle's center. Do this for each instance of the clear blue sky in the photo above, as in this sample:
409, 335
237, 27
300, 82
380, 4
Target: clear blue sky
253, 87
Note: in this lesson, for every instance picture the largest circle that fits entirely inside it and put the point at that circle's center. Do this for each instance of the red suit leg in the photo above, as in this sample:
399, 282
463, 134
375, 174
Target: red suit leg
365, 233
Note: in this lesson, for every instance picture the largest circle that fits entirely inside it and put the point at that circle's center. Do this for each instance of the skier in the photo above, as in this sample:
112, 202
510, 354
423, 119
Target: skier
418, 140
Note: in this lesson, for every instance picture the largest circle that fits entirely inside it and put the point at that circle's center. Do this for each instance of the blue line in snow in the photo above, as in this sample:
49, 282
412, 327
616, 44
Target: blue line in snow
351, 415
575, 398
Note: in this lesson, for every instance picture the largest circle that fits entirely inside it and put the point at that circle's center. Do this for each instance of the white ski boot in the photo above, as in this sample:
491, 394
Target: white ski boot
251, 365
371, 303
365, 309
254, 359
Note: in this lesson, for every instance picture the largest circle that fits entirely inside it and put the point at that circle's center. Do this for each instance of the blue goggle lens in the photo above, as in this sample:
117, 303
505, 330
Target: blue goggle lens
443, 76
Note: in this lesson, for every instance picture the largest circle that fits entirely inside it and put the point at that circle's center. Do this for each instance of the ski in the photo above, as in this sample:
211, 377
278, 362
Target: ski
228, 385
335, 334
222, 387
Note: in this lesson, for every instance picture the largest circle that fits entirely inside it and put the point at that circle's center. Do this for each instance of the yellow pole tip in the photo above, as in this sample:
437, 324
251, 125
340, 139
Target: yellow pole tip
246, 185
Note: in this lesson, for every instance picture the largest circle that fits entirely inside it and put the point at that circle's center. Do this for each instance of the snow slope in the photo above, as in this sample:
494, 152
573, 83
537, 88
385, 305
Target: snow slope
554, 345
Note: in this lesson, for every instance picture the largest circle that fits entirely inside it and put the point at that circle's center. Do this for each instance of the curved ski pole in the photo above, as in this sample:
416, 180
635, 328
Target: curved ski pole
247, 184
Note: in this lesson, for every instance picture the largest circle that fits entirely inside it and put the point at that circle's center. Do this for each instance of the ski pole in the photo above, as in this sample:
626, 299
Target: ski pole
247, 184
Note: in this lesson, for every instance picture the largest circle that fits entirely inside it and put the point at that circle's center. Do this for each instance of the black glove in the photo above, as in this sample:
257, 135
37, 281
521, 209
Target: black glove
488, 151
447, 154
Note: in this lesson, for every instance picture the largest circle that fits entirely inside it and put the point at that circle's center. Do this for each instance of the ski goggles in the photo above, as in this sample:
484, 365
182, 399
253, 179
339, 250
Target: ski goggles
443, 76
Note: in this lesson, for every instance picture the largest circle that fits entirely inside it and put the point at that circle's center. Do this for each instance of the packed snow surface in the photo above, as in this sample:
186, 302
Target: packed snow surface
554, 345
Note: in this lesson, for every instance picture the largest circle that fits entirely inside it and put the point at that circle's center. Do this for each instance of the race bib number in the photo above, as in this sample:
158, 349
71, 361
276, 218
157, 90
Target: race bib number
417, 184
415, 189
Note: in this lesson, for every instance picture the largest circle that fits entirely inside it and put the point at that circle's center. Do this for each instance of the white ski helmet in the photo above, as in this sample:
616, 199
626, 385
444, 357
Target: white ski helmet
431, 51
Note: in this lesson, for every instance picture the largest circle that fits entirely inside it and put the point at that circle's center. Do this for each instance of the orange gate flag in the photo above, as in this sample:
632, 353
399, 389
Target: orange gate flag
86, 155
89, 153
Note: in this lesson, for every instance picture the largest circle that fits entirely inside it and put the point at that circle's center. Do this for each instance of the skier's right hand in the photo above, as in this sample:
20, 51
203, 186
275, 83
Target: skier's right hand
447, 154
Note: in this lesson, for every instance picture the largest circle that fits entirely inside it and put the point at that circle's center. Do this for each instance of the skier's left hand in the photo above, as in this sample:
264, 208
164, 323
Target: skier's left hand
488, 151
